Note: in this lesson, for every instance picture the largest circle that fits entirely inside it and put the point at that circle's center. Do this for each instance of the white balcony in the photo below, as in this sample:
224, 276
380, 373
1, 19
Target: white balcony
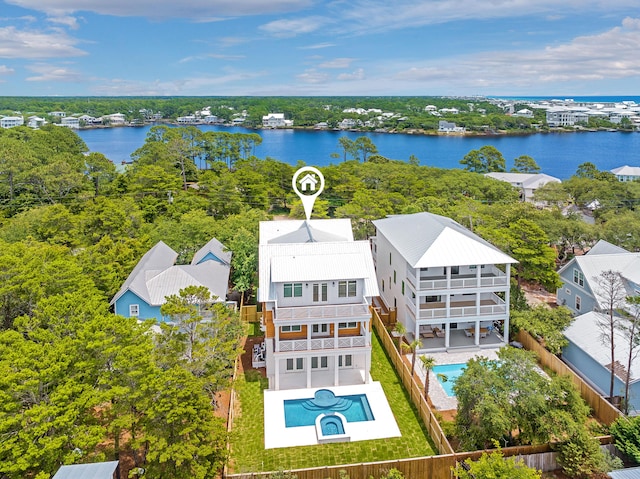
313, 344
493, 278
493, 306
335, 311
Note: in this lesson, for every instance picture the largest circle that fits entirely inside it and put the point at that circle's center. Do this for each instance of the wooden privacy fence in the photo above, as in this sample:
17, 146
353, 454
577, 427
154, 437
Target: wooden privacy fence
249, 313
603, 410
416, 391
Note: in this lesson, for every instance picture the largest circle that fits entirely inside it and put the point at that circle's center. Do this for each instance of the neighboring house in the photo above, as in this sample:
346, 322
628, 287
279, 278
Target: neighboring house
526, 183
156, 276
11, 121
449, 286
96, 470
590, 357
449, 127
36, 122
89, 120
186, 120
70, 122
316, 287
276, 120
628, 473
524, 113
580, 292
627, 173
114, 119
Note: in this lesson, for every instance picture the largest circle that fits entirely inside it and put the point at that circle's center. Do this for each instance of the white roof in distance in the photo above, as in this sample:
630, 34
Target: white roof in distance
526, 180
312, 230
426, 240
626, 170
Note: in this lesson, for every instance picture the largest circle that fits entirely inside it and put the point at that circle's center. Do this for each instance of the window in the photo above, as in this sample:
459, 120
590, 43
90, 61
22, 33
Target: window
403, 287
578, 303
322, 362
296, 364
567, 291
320, 328
319, 292
346, 362
394, 276
294, 328
292, 290
134, 310
432, 299
389, 258
578, 277
383, 285
455, 270
350, 324
346, 289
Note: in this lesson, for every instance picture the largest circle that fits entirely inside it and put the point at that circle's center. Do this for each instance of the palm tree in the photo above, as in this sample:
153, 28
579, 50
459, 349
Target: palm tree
412, 347
401, 330
428, 362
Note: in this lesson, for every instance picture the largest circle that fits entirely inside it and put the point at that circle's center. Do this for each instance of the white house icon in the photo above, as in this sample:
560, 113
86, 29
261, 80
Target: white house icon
310, 181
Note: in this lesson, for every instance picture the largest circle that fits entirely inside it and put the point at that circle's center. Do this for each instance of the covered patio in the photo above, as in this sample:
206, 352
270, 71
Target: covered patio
458, 339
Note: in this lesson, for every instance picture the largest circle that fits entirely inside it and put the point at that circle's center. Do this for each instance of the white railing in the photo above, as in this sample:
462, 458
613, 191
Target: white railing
463, 283
321, 343
464, 311
347, 311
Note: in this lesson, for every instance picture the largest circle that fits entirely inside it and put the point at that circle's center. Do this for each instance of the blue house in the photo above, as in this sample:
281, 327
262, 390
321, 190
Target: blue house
579, 291
590, 357
156, 276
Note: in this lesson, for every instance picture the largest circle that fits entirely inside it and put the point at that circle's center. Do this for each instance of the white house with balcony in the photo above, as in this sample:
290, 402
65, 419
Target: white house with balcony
449, 287
276, 120
316, 286
11, 121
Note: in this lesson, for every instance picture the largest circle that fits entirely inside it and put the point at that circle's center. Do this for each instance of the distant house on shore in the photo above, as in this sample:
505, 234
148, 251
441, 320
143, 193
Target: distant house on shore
156, 276
276, 120
11, 121
449, 127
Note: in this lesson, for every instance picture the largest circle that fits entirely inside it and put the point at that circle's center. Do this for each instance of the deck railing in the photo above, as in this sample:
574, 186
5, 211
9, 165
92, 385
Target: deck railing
321, 343
490, 279
347, 311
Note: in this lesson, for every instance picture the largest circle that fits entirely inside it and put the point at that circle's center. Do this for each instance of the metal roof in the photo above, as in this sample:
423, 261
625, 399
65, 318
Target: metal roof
98, 470
604, 247
585, 332
527, 180
215, 248
629, 473
313, 261
426, 240
302, 231
626, 170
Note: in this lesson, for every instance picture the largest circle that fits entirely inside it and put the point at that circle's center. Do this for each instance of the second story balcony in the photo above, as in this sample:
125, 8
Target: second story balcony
314, 344
489, 305
333, 311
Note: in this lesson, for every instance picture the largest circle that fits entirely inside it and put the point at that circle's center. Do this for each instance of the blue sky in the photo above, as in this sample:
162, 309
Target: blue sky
309, 47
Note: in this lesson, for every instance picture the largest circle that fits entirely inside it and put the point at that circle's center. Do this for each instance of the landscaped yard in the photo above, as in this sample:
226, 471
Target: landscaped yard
247, 441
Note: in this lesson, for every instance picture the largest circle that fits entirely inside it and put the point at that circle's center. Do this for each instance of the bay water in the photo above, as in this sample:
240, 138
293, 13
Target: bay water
558, 154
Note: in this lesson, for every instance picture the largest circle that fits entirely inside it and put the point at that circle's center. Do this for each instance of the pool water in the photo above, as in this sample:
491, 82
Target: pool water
303, 412
452, 372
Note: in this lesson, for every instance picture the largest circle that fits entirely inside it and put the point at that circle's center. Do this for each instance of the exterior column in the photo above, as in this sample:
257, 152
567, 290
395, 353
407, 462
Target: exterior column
447, 333
448, 275
277, 345
277, 375
478, 276
309, 328
336, 371
367, 366
308, 365
476, 338
507, 299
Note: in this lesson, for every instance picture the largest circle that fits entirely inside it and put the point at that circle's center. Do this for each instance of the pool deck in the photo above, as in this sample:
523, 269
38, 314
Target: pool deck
437, 394
276, 434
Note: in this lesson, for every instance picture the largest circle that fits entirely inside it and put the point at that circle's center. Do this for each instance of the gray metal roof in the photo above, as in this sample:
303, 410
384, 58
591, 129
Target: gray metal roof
426, 240
629, 473
215, 248
98, 470
526, 180
586, 333
604, 247
156, 275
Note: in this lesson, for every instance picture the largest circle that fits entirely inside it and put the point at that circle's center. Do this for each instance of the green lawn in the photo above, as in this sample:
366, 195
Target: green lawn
247, 441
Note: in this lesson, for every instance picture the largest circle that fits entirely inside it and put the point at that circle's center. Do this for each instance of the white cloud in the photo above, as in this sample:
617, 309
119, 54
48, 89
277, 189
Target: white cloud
68, 21
360, 16
318, 46
291, 28
53, 73
609, 55
312, 76
354, 76
16, 43
337, 63
5, 70
160, 9
215, 56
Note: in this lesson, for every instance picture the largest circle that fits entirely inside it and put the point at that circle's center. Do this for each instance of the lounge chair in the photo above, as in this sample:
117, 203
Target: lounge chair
468, 333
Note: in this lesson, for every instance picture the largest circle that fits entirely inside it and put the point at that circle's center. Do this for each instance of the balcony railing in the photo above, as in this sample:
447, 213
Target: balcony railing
322, 343
490, 279
459, 309
347, 311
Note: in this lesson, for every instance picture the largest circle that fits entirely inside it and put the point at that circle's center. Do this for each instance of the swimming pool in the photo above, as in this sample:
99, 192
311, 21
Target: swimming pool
452, 372
303, 412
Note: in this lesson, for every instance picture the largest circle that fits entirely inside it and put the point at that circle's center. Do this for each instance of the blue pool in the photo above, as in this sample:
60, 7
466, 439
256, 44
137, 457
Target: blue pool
303, 412
452, 372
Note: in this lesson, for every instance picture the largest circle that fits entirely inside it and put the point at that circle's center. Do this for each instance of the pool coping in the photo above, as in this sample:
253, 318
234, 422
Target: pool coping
276, 434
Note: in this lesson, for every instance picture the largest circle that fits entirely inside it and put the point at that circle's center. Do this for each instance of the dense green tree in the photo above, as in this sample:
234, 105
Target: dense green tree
484, 160
525, 164
626, 431
546, 324
364, 147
